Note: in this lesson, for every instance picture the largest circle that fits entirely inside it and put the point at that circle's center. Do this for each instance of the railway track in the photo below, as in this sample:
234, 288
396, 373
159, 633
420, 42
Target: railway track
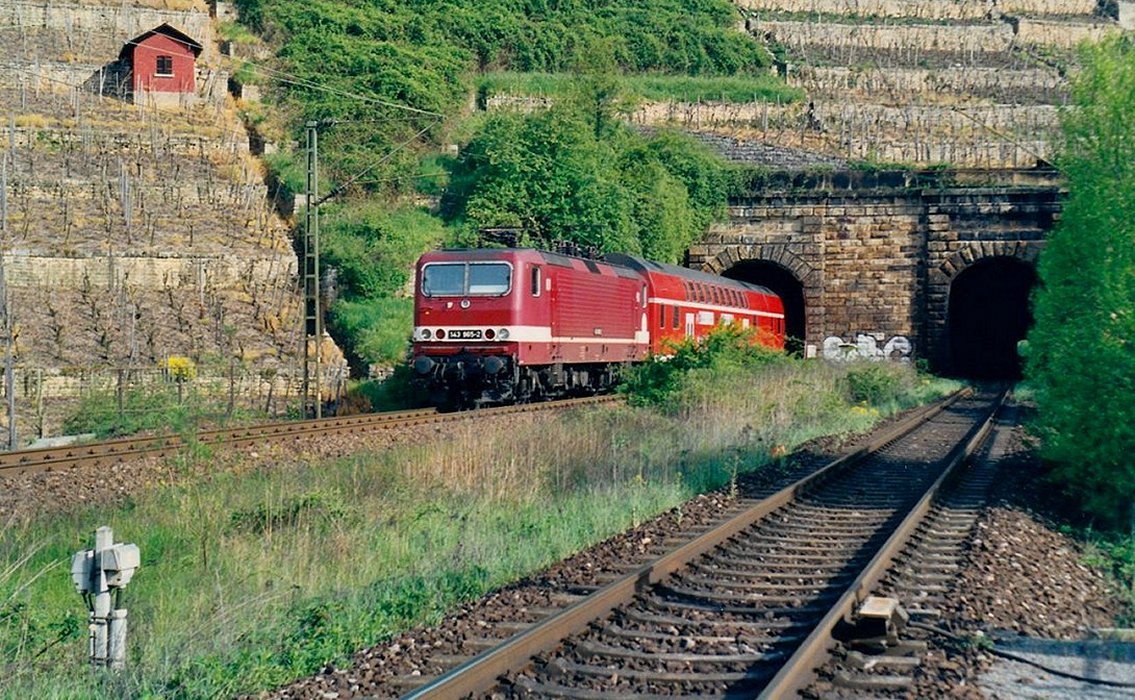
748, 607
921, 580
108, 452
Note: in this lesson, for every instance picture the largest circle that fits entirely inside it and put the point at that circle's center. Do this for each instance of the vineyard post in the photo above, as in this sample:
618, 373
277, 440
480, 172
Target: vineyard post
9, 372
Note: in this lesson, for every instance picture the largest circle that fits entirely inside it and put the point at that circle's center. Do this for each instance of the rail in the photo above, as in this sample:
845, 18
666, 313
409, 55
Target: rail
113, 451
483, 672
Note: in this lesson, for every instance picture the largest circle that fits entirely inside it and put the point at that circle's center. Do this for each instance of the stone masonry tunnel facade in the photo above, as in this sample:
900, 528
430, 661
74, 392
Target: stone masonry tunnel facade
876, 255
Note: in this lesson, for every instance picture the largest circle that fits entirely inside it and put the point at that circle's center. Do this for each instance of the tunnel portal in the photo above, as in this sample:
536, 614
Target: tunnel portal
785, 285
988, 314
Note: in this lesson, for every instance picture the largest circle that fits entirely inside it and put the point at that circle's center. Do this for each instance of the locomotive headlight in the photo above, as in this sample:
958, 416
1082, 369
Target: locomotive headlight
502, 334
490, 334
425, 334
440, 334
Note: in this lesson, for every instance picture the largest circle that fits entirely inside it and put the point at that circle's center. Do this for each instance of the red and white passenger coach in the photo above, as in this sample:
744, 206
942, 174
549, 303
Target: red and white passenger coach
500, 325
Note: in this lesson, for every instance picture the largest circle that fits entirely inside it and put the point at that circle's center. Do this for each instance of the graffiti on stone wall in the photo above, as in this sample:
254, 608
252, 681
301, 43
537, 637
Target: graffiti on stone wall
867, 346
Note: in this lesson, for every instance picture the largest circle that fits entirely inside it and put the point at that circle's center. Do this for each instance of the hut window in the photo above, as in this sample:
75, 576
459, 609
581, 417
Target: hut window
165, 65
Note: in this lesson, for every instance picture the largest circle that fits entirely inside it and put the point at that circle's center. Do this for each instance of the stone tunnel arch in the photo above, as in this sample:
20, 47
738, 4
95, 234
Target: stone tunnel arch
987, 314
785, 285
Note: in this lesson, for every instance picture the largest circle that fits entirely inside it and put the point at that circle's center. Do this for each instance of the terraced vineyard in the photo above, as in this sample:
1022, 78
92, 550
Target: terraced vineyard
971, 84
133, 233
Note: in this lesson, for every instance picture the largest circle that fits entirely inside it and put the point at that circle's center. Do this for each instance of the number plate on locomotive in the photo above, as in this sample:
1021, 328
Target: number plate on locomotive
465, 335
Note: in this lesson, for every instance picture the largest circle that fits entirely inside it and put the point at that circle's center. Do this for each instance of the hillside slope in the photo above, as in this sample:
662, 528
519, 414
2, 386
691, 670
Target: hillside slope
133, 233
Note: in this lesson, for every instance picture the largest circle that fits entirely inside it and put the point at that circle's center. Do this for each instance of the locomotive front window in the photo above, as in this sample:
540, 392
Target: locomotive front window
466, 279
443, 280
490, 279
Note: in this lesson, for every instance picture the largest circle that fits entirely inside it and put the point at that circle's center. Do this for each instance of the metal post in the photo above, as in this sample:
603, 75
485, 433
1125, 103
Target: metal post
313, 322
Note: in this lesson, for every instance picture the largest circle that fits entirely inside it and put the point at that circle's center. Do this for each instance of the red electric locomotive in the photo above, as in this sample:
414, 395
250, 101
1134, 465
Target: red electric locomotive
508, 325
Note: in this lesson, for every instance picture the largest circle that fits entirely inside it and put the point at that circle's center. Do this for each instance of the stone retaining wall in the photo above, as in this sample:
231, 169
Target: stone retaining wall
1063, 35
904, 81
104, 272
120, 22
996, 37
924, 9
980, 38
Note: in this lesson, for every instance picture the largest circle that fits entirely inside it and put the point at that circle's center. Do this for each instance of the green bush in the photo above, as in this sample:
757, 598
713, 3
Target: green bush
396, 392
1081, 350
659, 380
373, 245
873, 383
351, 65
373, 330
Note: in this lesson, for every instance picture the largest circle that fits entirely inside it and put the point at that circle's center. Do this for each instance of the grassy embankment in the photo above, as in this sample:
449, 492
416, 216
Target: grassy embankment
250, 580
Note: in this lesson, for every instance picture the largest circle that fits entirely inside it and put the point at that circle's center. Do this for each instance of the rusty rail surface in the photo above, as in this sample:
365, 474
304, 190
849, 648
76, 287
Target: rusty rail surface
114, 451
481, 673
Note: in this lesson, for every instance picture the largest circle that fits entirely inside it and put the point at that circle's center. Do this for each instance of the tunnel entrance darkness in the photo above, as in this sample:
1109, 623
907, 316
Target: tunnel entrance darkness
988, 314
785, 285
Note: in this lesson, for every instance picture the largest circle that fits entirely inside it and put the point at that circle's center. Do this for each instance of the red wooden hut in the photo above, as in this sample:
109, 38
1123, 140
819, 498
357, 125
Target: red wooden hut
163, 60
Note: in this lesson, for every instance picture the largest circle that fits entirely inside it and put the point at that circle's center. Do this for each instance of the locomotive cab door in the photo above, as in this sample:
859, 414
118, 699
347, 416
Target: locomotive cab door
689, 325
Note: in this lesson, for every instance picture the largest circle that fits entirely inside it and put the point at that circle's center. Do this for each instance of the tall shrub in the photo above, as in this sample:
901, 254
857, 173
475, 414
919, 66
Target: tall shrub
563, 174
1081, 351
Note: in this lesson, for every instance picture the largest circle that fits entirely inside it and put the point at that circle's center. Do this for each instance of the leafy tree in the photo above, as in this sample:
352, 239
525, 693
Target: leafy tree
546, 174
563, 175
1081, 351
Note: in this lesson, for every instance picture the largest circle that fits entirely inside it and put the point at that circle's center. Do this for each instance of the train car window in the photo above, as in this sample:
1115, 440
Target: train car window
661, 316
535, 281
443, 279
677, 315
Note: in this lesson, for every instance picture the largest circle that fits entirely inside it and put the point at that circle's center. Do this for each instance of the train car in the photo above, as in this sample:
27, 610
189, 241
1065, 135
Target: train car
497, 326
685, 303
514, 325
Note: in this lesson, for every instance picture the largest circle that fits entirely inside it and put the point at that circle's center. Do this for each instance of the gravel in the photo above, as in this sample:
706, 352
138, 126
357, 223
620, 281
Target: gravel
1021, 580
